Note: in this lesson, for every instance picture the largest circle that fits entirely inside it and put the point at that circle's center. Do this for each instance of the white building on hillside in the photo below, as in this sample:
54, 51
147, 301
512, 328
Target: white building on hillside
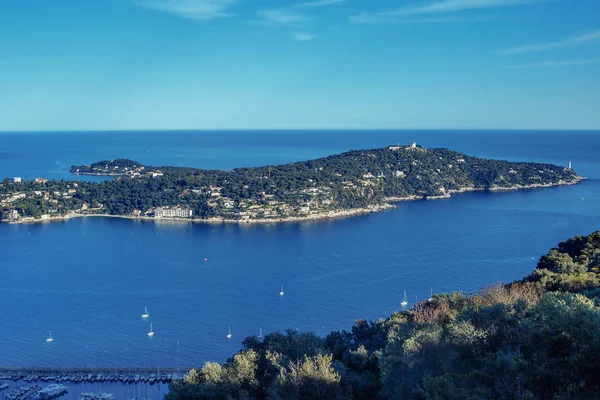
178, 212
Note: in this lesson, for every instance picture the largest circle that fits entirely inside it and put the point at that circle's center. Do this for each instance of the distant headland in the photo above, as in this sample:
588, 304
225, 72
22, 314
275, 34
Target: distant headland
346, 184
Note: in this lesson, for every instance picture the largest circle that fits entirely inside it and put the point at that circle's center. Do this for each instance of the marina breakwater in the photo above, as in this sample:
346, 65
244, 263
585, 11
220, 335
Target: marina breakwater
100, 375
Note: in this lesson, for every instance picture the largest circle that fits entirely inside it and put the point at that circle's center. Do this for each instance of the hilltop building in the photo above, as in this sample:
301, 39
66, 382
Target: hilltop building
398, 147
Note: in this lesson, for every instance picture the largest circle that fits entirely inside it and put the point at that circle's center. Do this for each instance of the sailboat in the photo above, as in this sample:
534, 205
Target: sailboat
145, 314
405, 301
431, 294
260, 334
281, 292
151, 333
49, 338
229, 334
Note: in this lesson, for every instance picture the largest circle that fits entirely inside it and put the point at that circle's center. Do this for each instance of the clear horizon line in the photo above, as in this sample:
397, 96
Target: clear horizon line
191, 130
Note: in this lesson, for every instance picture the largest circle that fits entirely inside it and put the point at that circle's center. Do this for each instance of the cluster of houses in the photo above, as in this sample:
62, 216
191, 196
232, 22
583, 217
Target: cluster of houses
115, 170
18, 179
9, 200
266, 206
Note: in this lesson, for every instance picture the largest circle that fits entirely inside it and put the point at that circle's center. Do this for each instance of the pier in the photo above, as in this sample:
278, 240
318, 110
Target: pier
77, 375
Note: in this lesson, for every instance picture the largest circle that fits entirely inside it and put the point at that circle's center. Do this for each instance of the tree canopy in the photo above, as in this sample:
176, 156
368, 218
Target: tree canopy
351, 180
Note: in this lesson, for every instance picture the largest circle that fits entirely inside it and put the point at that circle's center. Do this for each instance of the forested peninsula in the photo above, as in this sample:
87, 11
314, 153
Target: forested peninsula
354, 182
538, 338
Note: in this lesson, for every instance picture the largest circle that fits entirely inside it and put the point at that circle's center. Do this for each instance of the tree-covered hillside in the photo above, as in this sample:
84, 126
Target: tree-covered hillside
118, 167
351, 180
538, 338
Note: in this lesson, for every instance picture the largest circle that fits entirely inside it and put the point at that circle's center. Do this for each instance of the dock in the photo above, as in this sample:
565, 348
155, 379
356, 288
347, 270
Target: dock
77, 375
22, 393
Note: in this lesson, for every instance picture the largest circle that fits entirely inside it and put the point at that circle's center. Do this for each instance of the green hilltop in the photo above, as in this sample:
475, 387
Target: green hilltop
356, 180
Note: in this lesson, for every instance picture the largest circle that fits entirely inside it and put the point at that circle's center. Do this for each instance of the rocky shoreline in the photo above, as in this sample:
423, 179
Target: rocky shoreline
311, 217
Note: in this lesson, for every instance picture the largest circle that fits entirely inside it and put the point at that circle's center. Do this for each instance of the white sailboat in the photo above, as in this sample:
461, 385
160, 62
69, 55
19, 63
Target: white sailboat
281, 292
49, 338
405, 301
430, 294
260, 335
229, 334
151, 333
145, 314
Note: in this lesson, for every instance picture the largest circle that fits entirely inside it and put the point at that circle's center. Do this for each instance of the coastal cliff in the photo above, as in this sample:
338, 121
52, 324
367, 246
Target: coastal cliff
351, 183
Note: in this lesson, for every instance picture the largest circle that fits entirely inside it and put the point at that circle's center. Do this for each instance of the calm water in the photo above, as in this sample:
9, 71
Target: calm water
121, 391
89, 279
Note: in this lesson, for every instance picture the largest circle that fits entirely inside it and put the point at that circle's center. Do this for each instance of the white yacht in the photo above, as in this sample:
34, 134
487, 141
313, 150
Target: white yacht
405, 301
281, 291
151, 333
49, 338
145, 314
229, 334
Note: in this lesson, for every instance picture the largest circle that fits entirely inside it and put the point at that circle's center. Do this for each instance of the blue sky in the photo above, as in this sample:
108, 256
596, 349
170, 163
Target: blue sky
270, 64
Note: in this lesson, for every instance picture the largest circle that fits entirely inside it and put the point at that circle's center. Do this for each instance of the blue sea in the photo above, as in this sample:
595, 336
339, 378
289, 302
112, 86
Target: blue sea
88, 280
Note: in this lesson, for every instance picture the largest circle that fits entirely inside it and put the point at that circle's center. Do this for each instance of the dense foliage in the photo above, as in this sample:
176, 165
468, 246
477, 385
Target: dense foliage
538, 338
354, 179
107, 167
